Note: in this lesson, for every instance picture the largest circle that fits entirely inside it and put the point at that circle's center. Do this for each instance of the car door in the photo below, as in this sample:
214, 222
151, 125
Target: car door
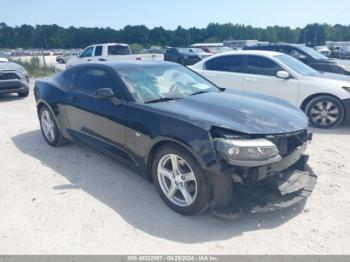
225, 71
261, 76
94, 120
86, 55
97, 54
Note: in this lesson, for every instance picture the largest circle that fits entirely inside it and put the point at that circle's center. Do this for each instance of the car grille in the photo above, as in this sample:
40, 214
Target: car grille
9, 76
288, 143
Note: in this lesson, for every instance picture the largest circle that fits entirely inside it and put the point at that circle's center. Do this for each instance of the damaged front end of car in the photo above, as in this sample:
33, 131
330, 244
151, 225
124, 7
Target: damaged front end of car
260, 172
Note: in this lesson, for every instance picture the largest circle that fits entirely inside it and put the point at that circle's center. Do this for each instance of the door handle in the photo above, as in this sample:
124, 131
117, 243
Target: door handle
89, 60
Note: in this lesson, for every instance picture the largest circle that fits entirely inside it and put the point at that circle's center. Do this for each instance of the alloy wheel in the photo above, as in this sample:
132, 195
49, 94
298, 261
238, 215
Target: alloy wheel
177, 180
324, 113
48, 126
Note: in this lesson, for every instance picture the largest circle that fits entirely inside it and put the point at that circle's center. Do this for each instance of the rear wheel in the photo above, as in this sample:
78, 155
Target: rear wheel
325, 112
180, 181
49, 128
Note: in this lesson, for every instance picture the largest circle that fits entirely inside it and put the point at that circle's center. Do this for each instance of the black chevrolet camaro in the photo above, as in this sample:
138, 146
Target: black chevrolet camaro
202, 146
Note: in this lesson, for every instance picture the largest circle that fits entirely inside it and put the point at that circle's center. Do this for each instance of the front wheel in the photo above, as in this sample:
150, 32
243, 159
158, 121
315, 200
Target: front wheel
325, 112
180, 181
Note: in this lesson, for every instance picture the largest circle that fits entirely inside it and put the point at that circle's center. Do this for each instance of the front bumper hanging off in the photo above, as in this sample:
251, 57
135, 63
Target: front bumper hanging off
283, 190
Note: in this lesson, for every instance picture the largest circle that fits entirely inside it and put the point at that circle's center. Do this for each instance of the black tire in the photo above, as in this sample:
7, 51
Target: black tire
58, 140
201, 201
334, 121
23, 94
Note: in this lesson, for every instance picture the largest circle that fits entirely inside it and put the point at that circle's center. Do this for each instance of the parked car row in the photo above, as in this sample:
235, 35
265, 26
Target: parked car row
181, 55
341, 52
110, 52
324, 50
37, 52
62, 59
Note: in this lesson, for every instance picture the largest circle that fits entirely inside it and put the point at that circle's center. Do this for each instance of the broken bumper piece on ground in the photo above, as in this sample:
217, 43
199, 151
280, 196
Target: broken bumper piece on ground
281, 191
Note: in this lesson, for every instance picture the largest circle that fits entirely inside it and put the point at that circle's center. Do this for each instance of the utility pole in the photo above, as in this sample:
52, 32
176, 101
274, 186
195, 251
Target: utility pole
188, 38
305, 31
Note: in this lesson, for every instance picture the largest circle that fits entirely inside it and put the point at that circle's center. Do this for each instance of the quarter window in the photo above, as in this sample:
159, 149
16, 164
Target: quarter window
261, 66
225, 63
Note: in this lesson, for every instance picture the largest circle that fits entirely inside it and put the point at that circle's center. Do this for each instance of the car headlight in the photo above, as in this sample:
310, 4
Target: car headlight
247, 152
347, 88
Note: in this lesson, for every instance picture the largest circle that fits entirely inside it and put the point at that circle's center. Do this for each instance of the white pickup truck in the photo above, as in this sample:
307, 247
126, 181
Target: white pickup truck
110, 52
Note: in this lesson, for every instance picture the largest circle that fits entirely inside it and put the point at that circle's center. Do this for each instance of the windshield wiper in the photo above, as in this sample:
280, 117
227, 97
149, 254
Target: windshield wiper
162, 99
198, 93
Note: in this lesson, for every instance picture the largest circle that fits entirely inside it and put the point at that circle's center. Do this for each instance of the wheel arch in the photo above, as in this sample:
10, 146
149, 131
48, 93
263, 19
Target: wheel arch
42, 103
160, 142
309, 98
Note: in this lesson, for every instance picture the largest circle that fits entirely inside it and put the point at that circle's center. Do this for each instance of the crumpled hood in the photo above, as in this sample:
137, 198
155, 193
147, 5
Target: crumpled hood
244, 112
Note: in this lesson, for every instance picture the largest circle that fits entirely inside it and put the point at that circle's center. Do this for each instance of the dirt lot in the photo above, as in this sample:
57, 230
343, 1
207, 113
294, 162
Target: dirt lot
73, 200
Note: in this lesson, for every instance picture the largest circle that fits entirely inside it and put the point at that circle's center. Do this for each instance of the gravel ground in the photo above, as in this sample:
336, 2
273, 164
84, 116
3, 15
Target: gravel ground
73, 200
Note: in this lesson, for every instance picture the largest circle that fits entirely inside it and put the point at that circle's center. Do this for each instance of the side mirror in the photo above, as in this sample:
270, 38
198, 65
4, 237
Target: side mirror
104, 93
283, 74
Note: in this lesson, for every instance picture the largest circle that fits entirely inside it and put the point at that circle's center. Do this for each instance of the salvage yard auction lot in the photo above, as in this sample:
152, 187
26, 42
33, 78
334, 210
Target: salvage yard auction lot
73, 200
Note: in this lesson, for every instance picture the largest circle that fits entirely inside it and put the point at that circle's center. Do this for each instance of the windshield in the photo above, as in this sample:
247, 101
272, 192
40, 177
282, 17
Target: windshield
313, 53
297, 66
147, 84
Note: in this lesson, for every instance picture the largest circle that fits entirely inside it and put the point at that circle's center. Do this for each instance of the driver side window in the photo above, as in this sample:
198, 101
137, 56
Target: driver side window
90, 79
262, 66
87, 52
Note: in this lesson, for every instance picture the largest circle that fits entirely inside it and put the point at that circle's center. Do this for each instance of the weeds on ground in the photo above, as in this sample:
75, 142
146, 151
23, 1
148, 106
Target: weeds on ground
37, 69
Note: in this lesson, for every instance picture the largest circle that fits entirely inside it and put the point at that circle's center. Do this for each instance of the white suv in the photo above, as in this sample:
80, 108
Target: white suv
324, 97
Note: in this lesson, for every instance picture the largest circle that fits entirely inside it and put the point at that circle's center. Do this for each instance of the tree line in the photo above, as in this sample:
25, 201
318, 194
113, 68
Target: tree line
54, 36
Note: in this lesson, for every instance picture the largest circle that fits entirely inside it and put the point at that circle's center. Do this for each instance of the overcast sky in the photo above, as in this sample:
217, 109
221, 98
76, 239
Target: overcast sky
170, 14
